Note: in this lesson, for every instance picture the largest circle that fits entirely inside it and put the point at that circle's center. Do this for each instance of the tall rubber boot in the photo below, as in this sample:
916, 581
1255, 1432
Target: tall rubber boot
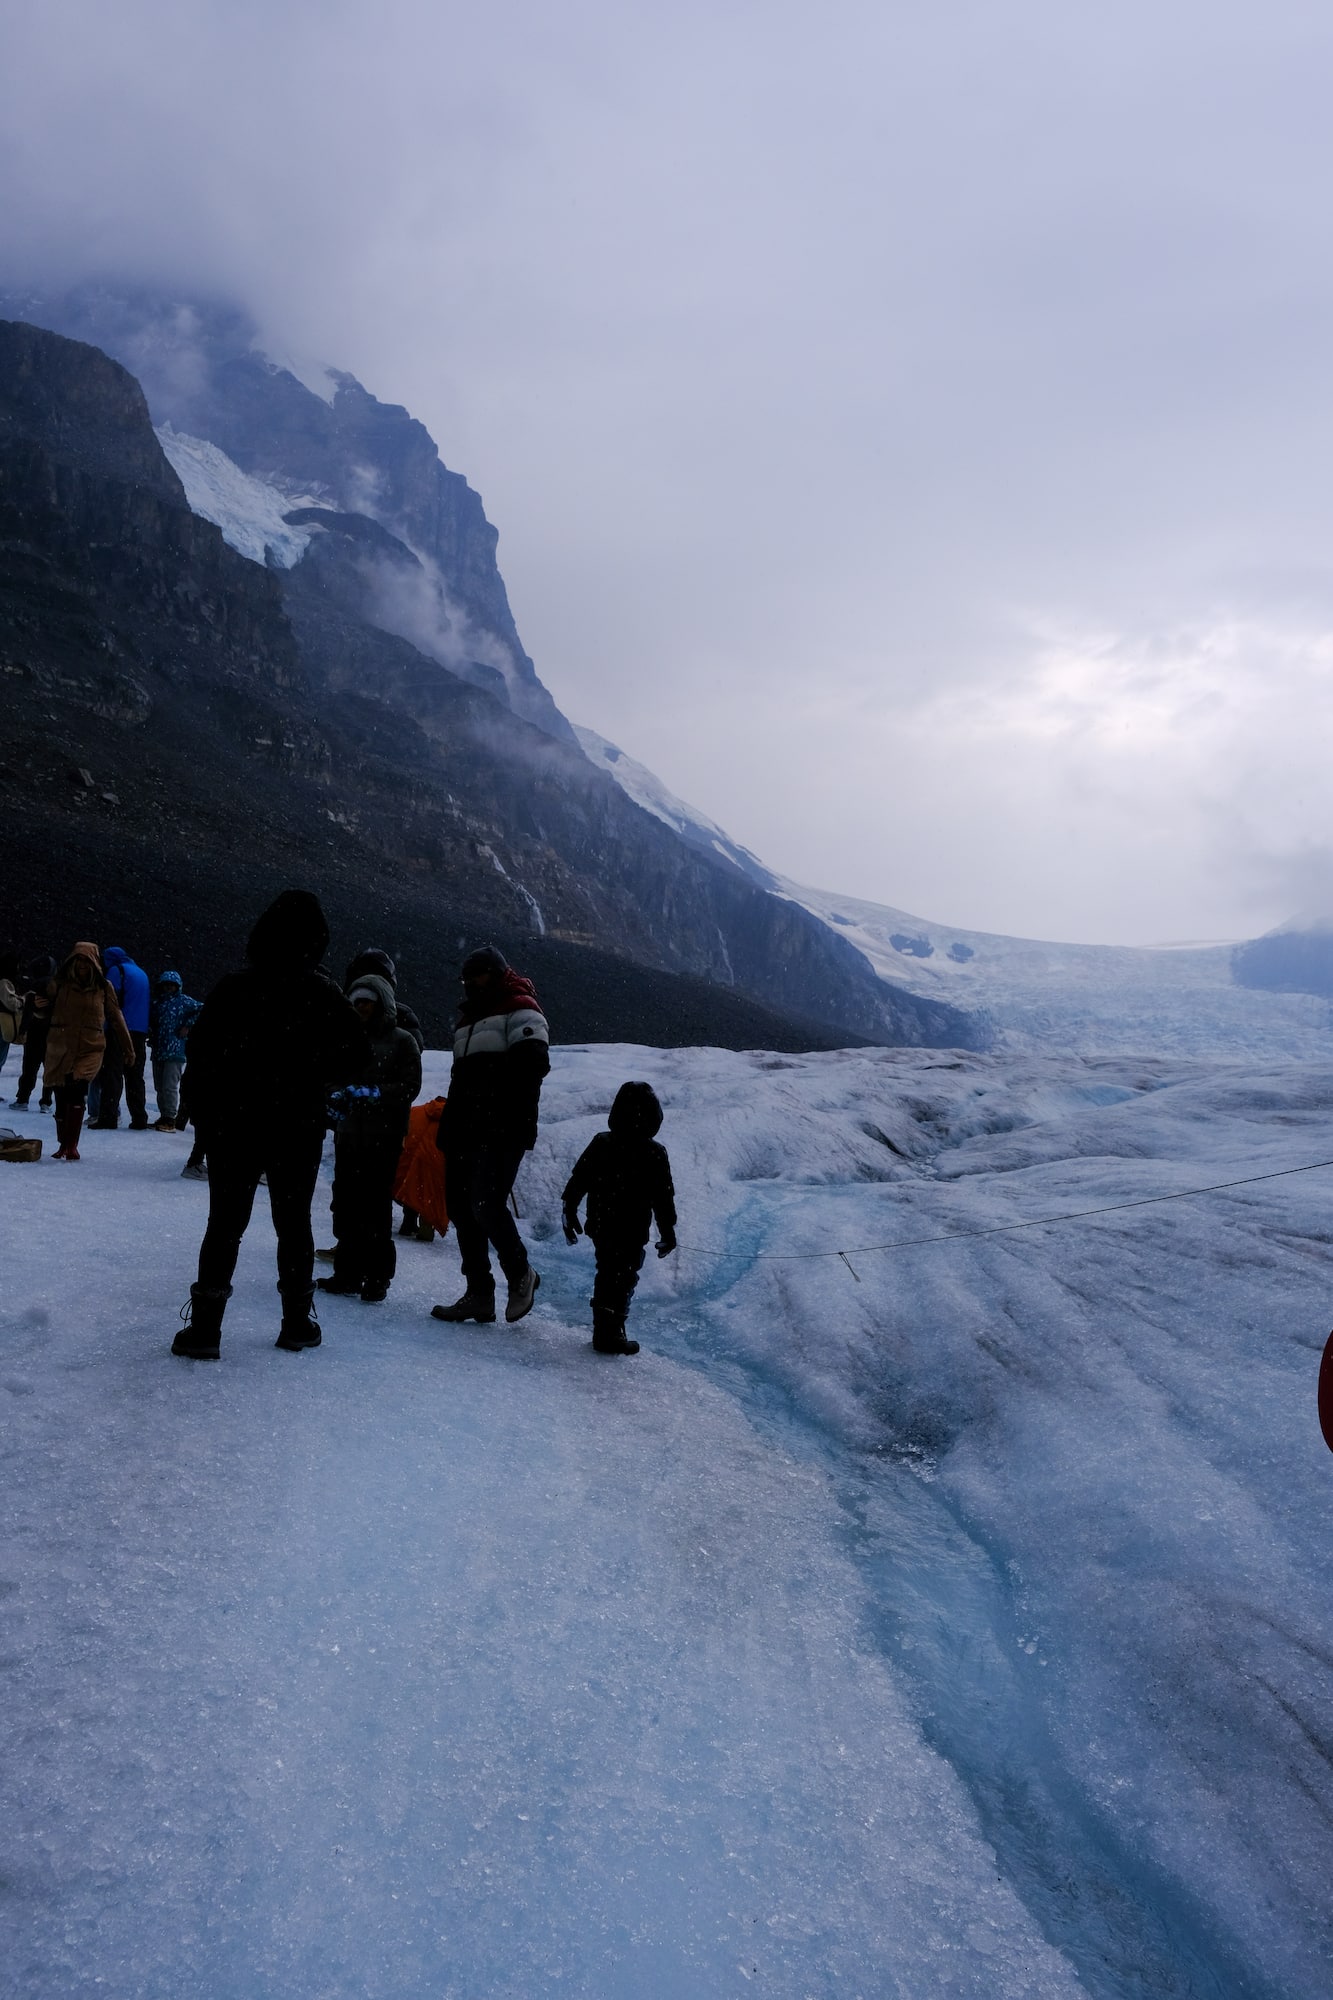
73, 1127
300, 1328
62, 1121
200, 1337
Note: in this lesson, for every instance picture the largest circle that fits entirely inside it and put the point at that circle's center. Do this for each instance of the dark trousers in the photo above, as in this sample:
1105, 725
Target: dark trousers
618, 1266
34, 1055
72, 1095
115, 1073
363, 1176
235, 1163
477, 1186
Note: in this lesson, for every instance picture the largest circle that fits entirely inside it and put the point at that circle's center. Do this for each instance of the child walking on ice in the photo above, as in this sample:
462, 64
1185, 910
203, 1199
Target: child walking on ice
626, 1176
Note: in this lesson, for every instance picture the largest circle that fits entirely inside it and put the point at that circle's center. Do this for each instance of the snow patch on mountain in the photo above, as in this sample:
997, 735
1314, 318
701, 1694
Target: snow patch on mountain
249, 511
648, 791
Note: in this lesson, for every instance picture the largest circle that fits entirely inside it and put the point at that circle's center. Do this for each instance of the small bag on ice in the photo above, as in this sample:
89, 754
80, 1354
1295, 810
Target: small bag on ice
13, 1146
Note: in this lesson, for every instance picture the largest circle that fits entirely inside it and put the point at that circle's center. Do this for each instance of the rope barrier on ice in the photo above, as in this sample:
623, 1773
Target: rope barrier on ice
998, 1228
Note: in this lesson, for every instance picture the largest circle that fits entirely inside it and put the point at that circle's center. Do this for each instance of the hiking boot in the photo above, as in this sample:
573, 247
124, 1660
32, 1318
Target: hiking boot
300, 1328
374, 1292
608, 1332
408, 1225
166, 1125
327, 1256
425, 1232
340, 1287
138, 1124
521, 1294
473, 1305
200, 1336
194, 1171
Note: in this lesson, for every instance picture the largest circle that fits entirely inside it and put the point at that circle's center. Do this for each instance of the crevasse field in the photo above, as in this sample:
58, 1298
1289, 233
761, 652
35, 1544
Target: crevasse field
949, 1620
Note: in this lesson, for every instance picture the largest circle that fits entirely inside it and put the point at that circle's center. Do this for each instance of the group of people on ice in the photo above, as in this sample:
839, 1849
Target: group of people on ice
277, 1054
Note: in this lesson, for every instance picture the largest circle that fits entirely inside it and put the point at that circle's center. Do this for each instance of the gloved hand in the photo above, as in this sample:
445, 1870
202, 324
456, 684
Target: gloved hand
573, 1227
666, 1243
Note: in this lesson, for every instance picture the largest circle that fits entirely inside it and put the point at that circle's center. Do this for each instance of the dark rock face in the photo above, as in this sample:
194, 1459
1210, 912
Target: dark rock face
247, 729
201, 373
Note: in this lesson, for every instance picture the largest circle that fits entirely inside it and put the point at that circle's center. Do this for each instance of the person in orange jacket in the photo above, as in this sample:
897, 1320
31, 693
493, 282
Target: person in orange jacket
419, 1184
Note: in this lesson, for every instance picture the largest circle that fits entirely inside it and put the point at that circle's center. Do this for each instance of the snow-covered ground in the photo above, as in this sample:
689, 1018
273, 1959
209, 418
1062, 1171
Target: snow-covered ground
948, 1620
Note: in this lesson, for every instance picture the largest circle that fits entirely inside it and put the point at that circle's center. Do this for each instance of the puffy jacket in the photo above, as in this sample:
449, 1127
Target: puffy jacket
129, 983
174, 1014
84, 1011
625, 1173
500, 1061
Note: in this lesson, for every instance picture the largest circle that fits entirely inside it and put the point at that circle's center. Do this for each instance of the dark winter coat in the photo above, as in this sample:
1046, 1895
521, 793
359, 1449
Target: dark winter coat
626, 1174
129, 983
174, 1014
500, 1059
271, 1042
40, 982
391, 1083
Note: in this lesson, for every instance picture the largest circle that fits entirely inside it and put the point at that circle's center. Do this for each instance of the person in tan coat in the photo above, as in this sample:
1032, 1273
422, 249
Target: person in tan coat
83, 1013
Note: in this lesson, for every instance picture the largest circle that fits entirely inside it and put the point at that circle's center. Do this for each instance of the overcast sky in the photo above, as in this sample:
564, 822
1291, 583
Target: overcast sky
909, 428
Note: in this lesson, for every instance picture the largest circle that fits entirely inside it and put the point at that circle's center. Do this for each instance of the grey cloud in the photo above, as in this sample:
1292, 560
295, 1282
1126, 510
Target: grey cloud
812, 367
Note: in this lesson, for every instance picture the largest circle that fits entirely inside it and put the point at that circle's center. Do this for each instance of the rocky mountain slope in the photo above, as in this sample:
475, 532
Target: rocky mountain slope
188, 730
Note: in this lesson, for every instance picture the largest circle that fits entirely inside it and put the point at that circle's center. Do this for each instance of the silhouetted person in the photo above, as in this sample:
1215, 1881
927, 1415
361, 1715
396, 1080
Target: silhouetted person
626, 1176
269, 1045
40, 988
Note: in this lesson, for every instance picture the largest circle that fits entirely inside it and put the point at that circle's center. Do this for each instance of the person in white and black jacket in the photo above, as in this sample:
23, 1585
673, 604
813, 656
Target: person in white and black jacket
501, 1056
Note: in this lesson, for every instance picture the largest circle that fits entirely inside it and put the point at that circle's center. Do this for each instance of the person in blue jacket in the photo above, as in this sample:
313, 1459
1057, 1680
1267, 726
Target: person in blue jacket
172, 1017
129, 983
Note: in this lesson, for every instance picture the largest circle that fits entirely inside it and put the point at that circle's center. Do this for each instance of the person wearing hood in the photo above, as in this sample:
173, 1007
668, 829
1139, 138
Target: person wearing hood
501, 1056
129, 983
39, 992
85, 1015
626, 1175
370, 1124
380, 963
173, 1015
268, 1046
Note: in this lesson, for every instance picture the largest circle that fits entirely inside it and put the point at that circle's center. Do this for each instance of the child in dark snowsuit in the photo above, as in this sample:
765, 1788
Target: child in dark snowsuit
626, 1176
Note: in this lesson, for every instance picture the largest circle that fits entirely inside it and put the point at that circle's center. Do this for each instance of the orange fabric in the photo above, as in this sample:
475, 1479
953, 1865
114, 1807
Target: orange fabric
420, 1180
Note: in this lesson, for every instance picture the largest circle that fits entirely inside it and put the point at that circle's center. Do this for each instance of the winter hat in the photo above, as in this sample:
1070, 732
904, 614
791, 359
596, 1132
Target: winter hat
488, 959
291, 936
372, 961
636, 1113
372, 987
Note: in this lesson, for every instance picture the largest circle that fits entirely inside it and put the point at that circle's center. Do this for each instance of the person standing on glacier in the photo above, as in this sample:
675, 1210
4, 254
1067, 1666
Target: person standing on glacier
501, 1057
268, 1047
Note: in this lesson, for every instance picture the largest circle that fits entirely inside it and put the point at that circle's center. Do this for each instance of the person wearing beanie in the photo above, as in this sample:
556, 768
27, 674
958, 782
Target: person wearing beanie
84, 1014
501, 1056
268, 1046
370, 1124
626, 1175
129, 983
